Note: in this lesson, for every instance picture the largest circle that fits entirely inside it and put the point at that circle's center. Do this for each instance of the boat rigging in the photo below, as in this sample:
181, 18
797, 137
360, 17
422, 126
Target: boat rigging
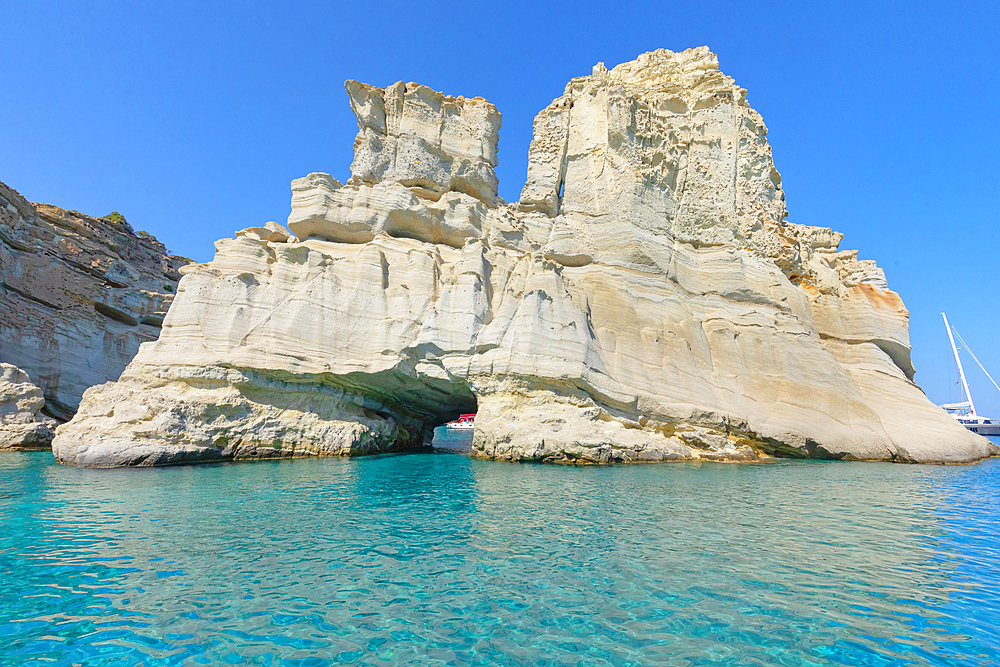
965, 411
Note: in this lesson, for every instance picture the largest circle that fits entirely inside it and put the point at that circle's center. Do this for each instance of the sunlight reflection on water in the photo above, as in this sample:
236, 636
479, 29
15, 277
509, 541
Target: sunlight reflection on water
437, 559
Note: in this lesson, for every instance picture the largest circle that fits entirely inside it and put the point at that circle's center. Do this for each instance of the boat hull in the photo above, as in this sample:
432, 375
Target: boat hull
984, 429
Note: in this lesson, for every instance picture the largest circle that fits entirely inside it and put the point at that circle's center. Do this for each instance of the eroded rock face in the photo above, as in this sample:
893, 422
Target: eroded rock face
421, 139
22, 425
77, 296
644, 301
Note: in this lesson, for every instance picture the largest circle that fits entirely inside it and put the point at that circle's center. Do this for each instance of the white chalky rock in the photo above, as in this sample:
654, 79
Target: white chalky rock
22, 425
434, 143
645, 300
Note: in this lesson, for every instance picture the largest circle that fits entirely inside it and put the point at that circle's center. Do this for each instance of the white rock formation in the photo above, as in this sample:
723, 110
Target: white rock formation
22, 425
433, 143
644, 301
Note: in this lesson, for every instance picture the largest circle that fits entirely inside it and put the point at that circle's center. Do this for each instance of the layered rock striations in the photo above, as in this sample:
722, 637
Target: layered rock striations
78, 295
645, 300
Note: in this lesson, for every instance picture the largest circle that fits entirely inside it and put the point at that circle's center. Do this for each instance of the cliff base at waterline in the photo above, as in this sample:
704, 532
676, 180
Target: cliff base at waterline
645, 300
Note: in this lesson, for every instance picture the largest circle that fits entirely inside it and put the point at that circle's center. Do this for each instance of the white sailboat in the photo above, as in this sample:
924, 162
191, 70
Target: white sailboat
965, 412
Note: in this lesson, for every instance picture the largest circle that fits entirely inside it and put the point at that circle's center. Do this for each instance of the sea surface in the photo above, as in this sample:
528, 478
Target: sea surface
438, 559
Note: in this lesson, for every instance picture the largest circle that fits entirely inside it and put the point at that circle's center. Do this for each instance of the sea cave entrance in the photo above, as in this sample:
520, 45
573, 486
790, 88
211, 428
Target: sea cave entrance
430, 403
452, 439
456, 427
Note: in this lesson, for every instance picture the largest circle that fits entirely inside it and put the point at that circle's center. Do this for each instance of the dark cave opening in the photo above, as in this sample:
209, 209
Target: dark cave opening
455, 432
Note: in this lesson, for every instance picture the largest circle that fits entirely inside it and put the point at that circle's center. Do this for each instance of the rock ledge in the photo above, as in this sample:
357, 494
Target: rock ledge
645, 300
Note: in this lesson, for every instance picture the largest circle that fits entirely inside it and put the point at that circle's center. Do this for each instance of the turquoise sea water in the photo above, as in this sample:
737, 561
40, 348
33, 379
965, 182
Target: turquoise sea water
438, 559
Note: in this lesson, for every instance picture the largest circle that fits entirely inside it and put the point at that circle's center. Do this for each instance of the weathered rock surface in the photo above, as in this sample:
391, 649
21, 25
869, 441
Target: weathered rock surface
421, 139
77, 296
645, 300
22, 425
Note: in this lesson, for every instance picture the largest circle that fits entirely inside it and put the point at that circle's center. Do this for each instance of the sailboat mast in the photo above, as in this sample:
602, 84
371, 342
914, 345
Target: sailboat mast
961, 372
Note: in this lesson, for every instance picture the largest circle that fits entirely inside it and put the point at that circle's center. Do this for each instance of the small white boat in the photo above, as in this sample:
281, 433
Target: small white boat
965, 411
463, 422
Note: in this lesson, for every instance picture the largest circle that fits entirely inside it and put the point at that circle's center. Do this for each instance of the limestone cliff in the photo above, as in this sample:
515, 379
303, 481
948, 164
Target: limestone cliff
644, 300
77, 296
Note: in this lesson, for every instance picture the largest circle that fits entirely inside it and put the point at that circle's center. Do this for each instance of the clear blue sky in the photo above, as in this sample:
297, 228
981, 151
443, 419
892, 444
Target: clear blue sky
191, 118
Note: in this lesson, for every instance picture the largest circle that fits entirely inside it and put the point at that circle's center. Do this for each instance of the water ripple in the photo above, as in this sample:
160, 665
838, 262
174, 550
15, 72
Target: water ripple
437, 559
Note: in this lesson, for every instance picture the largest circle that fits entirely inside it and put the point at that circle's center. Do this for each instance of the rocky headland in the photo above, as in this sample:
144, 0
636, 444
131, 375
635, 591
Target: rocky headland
645, 300
78, 295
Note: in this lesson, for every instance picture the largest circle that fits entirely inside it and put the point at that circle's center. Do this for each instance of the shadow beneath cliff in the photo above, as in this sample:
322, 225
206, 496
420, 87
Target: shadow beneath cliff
427, 401
402, 411
57, 410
